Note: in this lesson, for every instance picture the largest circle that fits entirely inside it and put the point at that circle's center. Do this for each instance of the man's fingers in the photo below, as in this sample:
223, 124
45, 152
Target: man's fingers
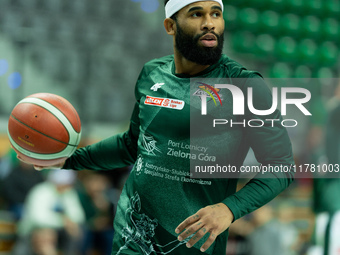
213, 219
199, 234
188, 221
209, 241
190, 231
38, 168
18, 157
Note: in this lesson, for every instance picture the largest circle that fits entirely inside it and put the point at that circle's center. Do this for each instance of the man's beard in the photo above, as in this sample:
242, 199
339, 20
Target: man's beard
190, 49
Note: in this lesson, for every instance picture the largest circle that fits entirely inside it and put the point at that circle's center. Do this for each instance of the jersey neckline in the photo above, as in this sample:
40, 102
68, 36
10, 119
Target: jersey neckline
205, 71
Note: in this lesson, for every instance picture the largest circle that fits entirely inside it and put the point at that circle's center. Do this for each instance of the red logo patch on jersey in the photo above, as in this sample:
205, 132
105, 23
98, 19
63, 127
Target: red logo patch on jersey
165, 102
154, 100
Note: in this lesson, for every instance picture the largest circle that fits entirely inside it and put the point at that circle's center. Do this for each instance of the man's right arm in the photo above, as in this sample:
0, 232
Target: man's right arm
114, 152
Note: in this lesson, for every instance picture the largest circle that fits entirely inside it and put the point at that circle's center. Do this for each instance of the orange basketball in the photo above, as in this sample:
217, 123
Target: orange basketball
44, 129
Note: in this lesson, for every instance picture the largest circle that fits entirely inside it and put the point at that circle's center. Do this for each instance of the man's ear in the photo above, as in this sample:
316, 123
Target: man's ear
169, 25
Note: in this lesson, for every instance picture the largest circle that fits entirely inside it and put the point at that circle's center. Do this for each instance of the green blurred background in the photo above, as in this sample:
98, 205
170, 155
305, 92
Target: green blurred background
91, 53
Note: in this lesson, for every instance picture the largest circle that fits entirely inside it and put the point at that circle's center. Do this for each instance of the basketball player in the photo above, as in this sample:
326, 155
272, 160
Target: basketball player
161, 209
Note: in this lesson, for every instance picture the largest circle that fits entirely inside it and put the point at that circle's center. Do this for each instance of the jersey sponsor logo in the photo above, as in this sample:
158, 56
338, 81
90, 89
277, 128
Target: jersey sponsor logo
156, 86
165, 102
149, 144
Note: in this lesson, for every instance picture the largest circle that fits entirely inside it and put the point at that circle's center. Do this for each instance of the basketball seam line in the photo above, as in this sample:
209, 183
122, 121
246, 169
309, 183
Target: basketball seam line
73, 110
53, 113
41, 132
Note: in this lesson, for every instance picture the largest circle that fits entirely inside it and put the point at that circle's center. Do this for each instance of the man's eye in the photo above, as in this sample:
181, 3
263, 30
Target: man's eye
216, 14
196, 14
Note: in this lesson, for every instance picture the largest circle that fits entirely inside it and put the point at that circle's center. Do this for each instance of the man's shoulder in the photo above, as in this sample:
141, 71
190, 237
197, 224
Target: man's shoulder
237, 70
157, 62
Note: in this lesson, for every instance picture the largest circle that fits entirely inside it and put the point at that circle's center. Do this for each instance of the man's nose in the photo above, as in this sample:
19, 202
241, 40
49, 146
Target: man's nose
208, 23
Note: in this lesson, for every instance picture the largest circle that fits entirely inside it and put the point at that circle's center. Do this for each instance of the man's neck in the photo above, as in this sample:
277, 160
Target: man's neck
184, 66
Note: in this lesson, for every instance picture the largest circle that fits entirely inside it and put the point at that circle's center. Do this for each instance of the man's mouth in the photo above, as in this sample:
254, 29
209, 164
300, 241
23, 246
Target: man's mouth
209, 40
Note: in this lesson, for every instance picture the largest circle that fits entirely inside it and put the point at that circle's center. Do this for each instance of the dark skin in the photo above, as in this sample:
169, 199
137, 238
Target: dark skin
194, 19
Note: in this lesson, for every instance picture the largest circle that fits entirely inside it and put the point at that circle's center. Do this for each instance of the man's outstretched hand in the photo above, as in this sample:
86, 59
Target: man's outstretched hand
39, 168
213, 219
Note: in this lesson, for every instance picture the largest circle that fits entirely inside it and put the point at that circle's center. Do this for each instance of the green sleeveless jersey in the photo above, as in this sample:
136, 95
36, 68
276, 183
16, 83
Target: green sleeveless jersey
159, 193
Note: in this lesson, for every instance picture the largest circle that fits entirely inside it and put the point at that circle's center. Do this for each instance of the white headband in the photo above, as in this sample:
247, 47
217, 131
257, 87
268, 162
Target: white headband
174, 6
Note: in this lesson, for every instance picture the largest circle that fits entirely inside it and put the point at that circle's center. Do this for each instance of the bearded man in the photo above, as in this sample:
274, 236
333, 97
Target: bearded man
161, 209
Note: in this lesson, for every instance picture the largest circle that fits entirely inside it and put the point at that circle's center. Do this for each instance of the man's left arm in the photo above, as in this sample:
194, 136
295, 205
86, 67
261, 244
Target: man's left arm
271, 146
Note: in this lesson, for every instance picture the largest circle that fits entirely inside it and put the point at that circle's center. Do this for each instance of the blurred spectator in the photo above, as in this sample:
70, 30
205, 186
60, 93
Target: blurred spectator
269, 235
7, 163
289, 234
118, 176
98, 230
238, 243
52, 217
4, 168
264, 230
326, 188
44, 241
16, 186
